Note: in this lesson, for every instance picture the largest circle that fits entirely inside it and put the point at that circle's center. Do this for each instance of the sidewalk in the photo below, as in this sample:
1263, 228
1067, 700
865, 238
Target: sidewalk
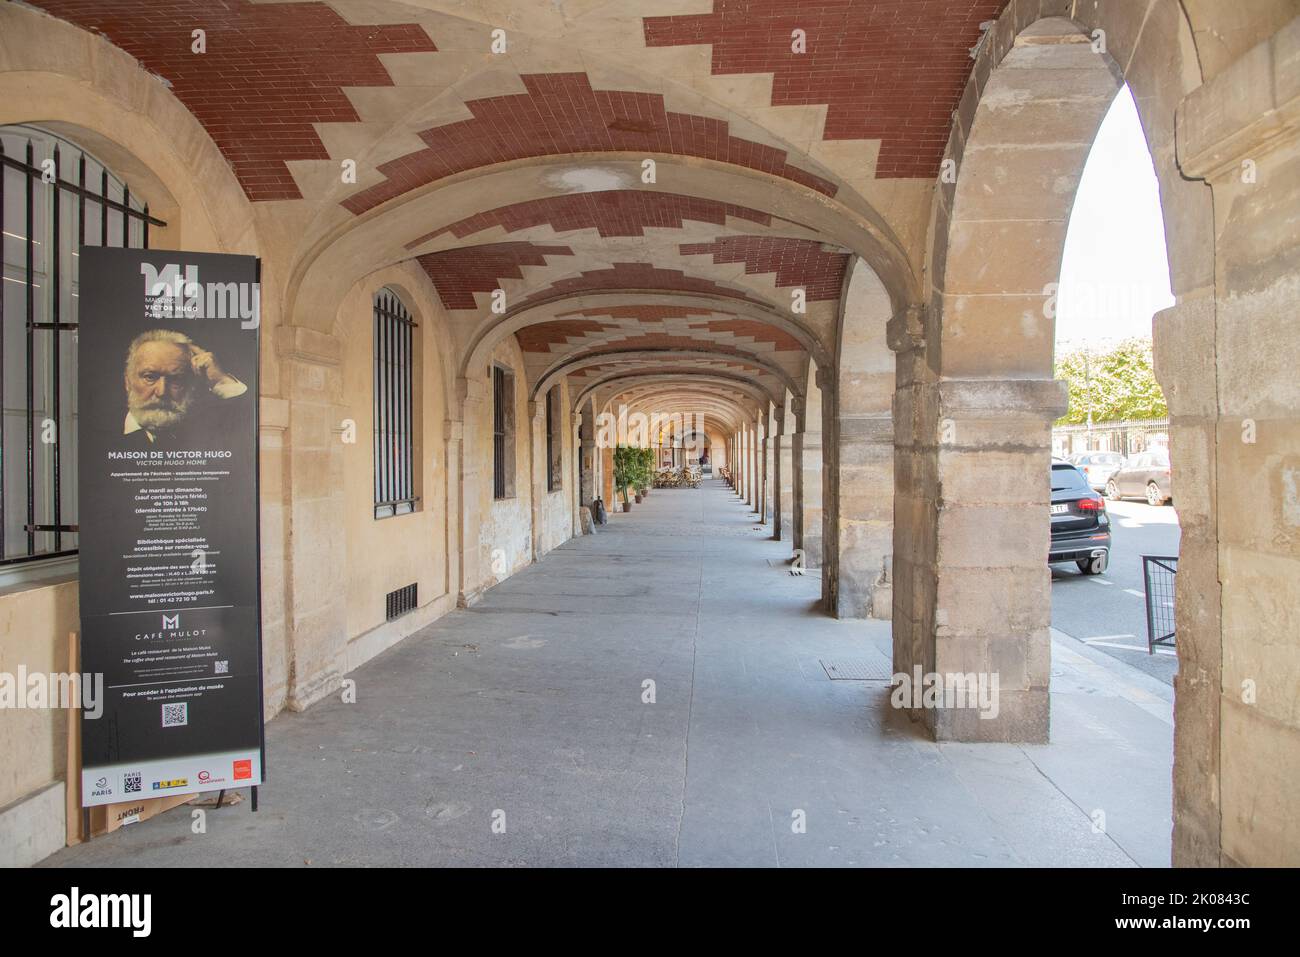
528, 709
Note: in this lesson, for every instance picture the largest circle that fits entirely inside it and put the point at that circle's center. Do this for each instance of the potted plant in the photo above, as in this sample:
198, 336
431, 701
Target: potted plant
645, 472
625, 472
647, 475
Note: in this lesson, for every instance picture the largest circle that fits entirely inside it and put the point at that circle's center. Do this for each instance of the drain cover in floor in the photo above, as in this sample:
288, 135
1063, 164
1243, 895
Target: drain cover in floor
875, 668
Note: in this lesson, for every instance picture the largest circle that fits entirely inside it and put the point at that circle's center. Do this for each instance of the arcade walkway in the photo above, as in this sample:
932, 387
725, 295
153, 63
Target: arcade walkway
531, 703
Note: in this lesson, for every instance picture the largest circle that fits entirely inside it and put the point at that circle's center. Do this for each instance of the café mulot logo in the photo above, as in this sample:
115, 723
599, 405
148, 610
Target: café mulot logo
170, 629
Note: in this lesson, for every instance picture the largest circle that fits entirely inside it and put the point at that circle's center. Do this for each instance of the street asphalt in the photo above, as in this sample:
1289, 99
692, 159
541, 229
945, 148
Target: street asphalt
1108, 611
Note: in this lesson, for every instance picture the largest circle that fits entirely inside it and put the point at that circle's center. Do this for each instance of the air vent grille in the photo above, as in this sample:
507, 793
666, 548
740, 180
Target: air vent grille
402, 601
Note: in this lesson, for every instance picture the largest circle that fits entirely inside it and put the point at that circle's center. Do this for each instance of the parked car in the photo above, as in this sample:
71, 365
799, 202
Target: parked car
1098, 467
1080, 525
1145, 475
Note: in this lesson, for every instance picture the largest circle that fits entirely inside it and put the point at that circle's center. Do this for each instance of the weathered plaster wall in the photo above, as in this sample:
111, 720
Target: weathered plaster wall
388, 553
1236, 448
555, 512
504, 536
35, 623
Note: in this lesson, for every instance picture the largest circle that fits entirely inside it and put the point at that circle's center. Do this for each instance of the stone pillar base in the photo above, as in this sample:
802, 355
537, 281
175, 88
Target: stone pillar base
1022, 717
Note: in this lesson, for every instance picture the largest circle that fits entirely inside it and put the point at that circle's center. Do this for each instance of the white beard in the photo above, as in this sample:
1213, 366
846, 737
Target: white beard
161, 414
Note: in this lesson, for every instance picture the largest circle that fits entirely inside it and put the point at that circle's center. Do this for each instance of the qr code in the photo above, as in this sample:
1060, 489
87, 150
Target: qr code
131, 782
176, 715
221, 667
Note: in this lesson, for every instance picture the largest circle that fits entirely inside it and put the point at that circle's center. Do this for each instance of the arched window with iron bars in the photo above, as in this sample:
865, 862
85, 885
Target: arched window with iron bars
394, 406
54, 198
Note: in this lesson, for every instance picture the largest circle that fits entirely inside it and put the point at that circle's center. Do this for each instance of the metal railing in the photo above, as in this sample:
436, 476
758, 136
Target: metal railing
1158, 573
1127, 438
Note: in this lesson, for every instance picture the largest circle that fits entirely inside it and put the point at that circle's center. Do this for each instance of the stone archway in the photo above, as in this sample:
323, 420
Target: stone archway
976, 396
859, 454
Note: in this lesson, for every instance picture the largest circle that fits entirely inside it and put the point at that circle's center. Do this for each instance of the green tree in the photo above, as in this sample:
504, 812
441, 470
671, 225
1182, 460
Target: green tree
626, 466
645, 468
1118, 384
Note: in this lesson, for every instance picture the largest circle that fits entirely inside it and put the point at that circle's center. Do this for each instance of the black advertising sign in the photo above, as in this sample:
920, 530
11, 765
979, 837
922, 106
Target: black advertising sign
170, 604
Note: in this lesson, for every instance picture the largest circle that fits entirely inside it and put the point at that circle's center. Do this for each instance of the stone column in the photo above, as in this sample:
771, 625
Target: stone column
780, 471
747, 450
453, 436
796, 429
737, 463
770, 452
743, 490
587, 459
742, 463
863, 452
475, 456
830, 476
915, 493
992, 604
537, 469
273, 464
316, 552
808, 448
865, 515
734, 459
1235, 445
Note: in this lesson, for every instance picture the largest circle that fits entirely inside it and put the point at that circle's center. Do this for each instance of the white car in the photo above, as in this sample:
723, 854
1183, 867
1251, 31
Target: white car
1098, 467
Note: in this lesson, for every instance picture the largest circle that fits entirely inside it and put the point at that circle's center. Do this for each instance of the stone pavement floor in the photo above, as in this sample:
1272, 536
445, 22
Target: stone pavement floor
527, 710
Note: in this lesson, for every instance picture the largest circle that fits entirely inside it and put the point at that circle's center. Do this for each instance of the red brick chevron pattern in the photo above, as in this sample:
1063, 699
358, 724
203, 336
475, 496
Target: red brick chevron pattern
269, 73
657, 341
459, 273
646, 312
796, 262
617, 212
748, 328
560, 113
891, 70
591, 371
639, 276
683, 365
753, 329
541, 337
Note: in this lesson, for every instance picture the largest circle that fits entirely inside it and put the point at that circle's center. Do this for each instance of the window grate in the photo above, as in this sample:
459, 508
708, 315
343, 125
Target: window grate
552, 466
393, 396
502, 400
44, 224
402, 601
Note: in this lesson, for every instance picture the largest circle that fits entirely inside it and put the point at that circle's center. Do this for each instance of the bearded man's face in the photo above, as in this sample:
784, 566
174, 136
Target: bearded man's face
160, 385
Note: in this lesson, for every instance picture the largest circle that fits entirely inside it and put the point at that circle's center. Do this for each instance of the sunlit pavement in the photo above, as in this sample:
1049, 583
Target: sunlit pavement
1108, 612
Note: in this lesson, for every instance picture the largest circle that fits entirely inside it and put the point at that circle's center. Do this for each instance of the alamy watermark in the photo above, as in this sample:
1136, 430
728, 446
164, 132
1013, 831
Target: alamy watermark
39, 690
976, 690
642, 430
171, 295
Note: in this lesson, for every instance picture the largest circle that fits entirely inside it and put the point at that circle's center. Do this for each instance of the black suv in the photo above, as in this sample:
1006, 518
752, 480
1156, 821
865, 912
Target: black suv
1080, 525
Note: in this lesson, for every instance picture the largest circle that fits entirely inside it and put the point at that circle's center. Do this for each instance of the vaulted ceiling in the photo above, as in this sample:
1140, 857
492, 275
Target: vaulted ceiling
786, 139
